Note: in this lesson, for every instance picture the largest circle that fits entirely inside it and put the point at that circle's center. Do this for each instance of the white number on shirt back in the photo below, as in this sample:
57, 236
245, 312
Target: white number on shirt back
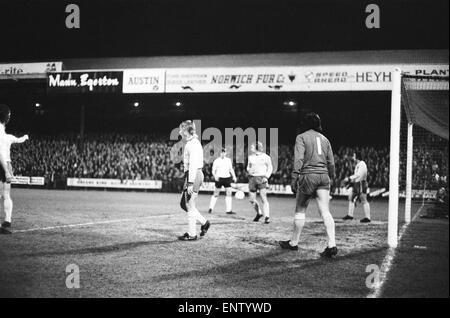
319, 146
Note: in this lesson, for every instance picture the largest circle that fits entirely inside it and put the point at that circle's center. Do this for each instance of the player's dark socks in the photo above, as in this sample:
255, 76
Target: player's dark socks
257, 217
210, 211
231, 212
365, 220
287, 246
6, 224
204, 228
4, 231
187, 237
347, 217
267, 220
329, 252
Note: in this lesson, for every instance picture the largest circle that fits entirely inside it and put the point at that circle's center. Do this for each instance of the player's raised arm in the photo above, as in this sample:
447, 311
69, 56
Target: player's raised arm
18, 140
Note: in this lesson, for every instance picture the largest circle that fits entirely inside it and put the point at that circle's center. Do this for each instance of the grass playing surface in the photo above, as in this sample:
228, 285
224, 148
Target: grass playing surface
125, 244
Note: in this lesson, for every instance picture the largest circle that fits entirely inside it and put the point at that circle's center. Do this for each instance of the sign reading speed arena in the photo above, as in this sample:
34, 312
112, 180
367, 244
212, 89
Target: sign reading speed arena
85, 82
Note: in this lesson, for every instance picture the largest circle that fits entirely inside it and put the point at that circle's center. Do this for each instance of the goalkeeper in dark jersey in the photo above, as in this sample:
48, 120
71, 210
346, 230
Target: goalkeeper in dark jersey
313, 170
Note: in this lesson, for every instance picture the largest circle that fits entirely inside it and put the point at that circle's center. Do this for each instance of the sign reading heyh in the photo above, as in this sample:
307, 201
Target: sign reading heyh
360, 77
85, 82
144, 81
30, 68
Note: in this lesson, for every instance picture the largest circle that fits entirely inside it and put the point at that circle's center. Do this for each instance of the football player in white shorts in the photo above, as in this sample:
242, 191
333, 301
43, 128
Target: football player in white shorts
193, 164
6, 170
358, 182
260, 169
223, 173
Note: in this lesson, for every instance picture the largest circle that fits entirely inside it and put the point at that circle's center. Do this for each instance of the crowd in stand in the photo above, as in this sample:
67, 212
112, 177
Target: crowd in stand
130, 157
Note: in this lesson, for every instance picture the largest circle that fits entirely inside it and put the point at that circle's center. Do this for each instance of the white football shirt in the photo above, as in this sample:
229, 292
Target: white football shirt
260, 165
360, 172
222, 167
193, 157
6, 140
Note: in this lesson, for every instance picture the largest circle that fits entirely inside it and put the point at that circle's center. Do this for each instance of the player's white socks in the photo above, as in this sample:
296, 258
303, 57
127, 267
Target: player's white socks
351, 208
366, 207
266, 209
192, 230
8, 204
200, 218
299, 223
213, 201
228, 202
329, 226
194, 216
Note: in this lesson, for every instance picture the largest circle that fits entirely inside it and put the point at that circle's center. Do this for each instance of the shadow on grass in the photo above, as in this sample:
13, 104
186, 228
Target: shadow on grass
270, 262
100, 249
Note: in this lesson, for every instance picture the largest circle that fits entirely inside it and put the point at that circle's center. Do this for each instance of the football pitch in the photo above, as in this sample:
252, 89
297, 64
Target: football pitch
125, 245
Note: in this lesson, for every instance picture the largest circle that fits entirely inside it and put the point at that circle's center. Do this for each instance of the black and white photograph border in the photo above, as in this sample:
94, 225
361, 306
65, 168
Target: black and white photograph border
236, 152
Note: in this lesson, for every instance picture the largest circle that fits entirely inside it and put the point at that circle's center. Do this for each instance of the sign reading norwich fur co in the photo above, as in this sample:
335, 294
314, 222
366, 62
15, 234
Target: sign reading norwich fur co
85, 82
244, 79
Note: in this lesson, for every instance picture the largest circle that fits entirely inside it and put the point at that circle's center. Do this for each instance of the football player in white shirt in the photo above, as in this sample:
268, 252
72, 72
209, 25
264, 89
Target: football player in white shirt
193, 164
260, 169
223, 173
6, 170
359, 189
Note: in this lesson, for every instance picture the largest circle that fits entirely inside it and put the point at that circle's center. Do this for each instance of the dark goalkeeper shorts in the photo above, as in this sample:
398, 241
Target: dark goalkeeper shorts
309, 183
223, 182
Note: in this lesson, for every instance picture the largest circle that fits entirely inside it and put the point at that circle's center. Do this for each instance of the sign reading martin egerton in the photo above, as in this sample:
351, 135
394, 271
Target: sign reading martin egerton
85, 82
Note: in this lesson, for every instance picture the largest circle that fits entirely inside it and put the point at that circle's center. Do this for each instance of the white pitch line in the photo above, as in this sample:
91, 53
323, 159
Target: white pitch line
389, 259
89, 223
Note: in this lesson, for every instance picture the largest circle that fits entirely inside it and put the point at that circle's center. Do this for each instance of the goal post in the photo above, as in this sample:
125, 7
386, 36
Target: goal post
394, 158
418, 145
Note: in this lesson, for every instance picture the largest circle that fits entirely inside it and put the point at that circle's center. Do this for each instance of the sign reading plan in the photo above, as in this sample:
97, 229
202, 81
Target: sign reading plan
85, 82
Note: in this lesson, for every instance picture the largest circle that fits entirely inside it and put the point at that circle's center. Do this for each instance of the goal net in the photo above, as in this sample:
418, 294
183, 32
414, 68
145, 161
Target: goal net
419, 149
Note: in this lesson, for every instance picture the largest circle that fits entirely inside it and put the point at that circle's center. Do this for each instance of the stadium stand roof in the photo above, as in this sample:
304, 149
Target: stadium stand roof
273, 59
